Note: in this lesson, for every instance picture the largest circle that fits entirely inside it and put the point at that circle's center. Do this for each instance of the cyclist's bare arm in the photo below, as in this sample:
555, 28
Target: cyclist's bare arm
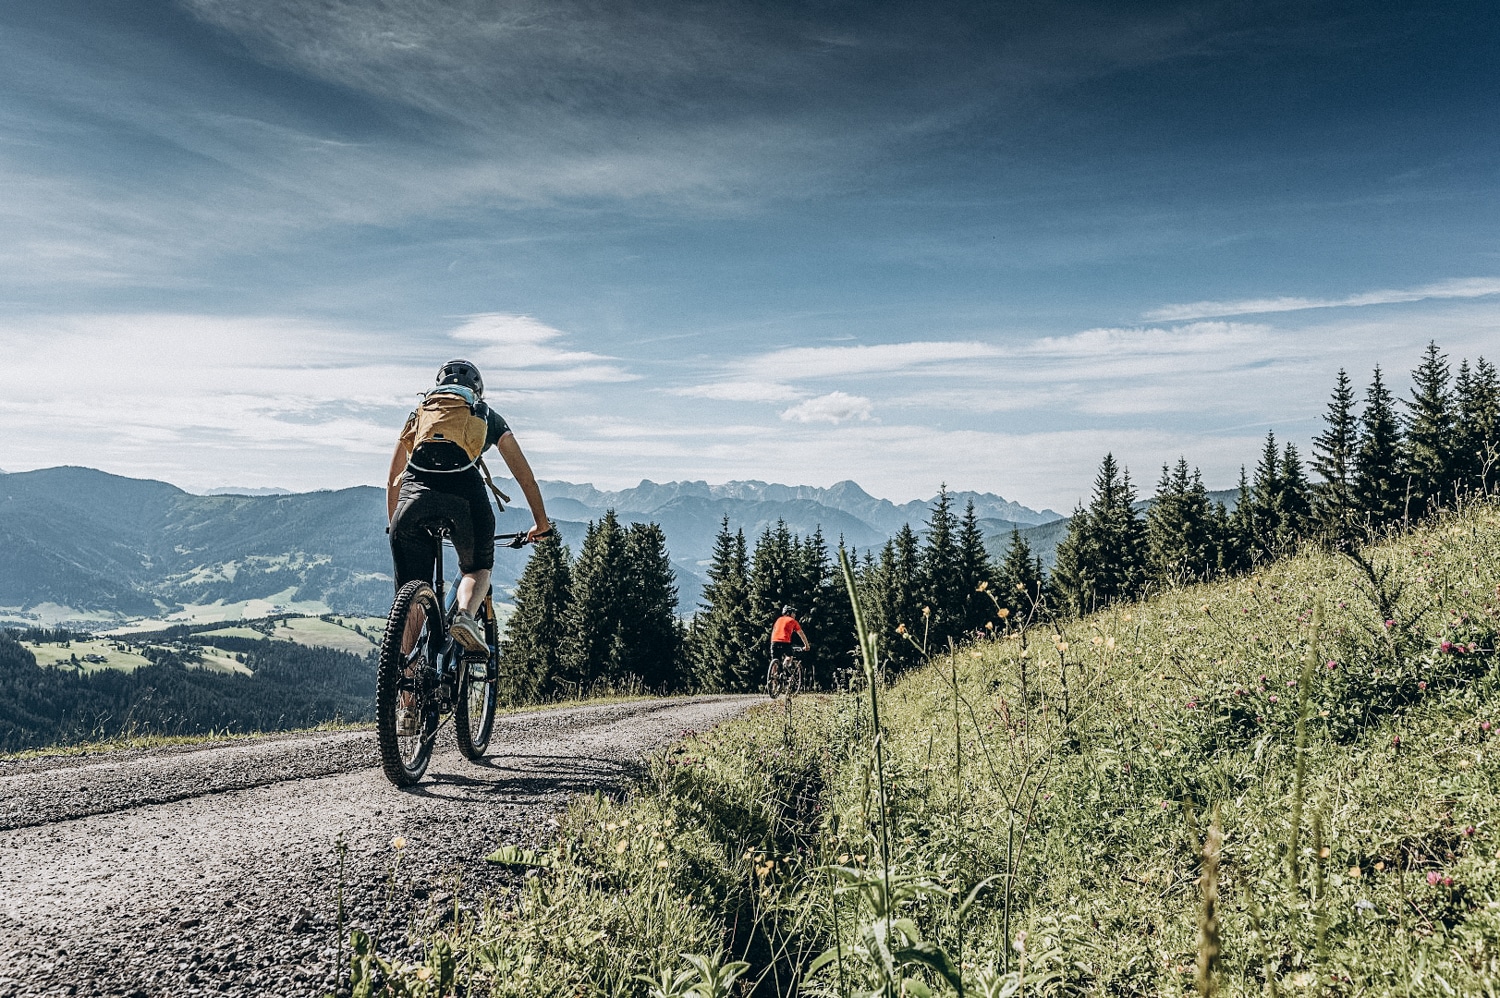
393, 479
520, 470
806, 644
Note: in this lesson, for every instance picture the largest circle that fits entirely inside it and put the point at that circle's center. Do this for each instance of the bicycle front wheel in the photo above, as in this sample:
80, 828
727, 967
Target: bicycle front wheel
406, 714
474, 714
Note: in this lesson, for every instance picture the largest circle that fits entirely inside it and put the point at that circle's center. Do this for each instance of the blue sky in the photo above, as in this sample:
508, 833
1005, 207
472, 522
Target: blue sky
975, 243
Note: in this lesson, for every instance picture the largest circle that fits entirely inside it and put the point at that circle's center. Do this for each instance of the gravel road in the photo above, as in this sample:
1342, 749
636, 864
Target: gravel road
215, 870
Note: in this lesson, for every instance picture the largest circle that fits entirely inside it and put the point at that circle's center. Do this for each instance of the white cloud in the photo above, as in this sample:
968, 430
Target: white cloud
528, 354
835, 407
1472, 287
799, 363
740, 391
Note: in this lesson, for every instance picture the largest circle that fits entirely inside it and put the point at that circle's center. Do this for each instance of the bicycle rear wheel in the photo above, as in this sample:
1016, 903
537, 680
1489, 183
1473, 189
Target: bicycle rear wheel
405, 712
474, 714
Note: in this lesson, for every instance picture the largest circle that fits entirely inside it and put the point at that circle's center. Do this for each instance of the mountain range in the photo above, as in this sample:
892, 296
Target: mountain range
103, 547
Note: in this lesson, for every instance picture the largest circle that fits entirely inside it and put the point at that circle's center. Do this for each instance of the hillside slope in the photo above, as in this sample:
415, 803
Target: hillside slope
1312, 746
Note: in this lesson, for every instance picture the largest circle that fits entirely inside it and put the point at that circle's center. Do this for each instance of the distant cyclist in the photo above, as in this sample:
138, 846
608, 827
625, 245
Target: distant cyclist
436, 479
782, 632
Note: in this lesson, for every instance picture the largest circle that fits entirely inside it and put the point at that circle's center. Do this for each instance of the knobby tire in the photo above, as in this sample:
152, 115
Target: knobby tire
474, 713
413, 635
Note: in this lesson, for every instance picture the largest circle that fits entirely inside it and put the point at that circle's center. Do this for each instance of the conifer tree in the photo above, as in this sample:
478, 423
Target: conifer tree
1180, 533
898, 598
942, 585
531, 651
776, 577
1103, 558
1378, 483
1479, 425
1427, 456
1020, 583
726, 650
594, 646
1237, 542
652, 638
829, 619
1265, 511
974, 568
1295, 500
1335, 508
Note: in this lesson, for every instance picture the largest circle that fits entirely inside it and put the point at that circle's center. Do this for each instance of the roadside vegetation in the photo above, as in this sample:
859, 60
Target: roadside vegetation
1281, 783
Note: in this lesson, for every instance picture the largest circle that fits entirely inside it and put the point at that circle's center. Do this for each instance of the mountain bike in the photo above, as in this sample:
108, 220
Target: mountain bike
784, 677
425, 677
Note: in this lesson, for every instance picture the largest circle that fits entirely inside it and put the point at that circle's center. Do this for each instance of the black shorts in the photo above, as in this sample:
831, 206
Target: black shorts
782, 648
458, 501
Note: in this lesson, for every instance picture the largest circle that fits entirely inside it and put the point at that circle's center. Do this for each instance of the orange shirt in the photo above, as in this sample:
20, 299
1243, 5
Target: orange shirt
784, 628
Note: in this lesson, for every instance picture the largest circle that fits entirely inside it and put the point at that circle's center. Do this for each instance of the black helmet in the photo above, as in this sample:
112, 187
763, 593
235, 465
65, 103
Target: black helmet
461, 372
786, 611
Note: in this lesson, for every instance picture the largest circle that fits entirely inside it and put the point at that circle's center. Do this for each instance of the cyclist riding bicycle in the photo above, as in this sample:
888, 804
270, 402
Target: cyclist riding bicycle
781, 634
437, 477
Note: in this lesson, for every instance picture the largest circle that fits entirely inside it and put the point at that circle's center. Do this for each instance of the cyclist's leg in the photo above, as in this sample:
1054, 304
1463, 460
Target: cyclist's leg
473, 540
413, 550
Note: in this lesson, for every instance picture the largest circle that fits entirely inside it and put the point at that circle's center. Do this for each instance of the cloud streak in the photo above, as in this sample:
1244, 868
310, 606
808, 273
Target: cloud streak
1471, 287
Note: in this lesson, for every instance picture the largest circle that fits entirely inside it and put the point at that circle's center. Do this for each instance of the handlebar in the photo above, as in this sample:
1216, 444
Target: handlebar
520, 539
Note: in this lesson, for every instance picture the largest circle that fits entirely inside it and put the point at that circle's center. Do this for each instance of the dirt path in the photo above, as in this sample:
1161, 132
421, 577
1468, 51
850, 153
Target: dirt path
216, 871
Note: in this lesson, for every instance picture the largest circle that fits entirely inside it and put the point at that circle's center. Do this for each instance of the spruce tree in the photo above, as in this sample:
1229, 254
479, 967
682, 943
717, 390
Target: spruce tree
652, 638
531, 650
776, 578
1180, 533
594, 646
1020, 584
1103, 558
942, 585
1265, 512
898, 599
1379, 485
1427, 456
1479, 426
1237, 542
974, 568
726, 650
1295, 500
1335, 508
830, 618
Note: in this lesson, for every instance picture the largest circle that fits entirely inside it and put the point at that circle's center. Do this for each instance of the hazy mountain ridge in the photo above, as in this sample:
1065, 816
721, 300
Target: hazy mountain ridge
98, 542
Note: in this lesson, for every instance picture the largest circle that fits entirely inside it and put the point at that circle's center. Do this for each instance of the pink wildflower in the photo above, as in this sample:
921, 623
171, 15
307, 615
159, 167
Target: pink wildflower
1432, 878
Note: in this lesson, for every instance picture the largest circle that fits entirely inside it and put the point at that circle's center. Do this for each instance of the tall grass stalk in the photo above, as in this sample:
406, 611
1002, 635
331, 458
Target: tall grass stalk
1208, 913
1299, 778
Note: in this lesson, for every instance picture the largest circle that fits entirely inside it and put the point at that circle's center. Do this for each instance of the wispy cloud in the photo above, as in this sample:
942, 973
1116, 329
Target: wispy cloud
835, 407
1471, 287
524, 353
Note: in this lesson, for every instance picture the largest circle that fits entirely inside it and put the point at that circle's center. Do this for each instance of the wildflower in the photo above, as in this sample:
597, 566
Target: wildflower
1332, 664
424, 973
399, 842
1192, 705
1389, 624
983, 587
1396, 741
926, 611
1380, 866
1003, 613
1432, 878
1484, 726
1098, 640
989, 625
1020, 942
900, 628
1020, 587
661, 864
621, 846
1062, 646
1109, 643
1447, 881
1275, 698
1469, 832
1422, 684
1364, 905
1356, 872
1205, 607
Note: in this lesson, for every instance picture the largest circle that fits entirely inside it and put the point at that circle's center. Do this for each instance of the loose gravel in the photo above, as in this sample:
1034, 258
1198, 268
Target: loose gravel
217, 871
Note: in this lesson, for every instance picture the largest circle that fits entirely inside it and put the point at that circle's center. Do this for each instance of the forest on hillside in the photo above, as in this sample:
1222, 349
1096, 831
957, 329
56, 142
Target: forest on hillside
291, 686
1379, 464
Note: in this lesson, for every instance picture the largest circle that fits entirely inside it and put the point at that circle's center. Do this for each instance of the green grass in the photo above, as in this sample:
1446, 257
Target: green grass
111, 651
1048, 801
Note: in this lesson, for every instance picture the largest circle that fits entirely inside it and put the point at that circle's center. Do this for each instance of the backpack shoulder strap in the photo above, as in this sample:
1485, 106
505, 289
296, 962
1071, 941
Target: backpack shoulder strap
500, 497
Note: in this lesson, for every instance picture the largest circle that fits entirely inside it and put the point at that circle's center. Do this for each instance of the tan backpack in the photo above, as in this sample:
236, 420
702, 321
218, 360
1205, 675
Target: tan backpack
448, 432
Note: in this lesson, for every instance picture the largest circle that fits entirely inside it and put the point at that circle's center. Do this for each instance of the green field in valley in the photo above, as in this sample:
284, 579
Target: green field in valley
1285, 783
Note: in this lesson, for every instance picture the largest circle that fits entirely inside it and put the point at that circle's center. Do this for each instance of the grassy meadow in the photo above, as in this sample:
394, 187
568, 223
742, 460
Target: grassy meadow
1279, 784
